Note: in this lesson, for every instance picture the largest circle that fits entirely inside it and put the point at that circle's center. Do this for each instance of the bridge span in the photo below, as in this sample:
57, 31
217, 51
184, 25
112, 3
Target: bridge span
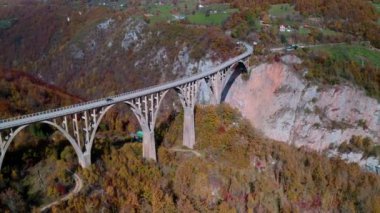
78, 123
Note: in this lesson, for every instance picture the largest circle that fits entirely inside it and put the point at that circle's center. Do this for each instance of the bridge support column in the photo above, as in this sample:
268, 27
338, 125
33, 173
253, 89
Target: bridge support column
145, 109
188, 128
216, 83
85, 160
188, 94
82, 134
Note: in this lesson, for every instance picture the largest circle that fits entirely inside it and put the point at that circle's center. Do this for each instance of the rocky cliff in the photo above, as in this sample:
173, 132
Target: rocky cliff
287, 108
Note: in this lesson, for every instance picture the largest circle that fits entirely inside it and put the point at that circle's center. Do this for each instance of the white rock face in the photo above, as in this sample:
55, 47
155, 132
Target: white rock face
285, 108
76, 52
106, 24
367, 163
184, 62
133, 29
204, 65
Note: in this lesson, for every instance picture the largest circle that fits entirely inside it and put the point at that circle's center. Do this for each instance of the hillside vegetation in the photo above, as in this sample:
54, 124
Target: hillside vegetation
116, 50
339, 63
238, 169
22, 94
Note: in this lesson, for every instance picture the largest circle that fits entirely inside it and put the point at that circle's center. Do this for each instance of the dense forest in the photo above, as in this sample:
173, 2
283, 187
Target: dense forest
236, 168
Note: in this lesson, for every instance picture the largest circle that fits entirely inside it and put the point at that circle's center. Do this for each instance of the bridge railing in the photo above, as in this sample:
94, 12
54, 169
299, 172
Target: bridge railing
81, 104
100, 100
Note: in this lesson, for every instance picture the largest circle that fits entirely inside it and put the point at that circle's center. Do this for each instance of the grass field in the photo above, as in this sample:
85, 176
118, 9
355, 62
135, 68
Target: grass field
377, 6
334, 64
161, 13
214, 14
303, 31
306, 31
218, 18
281, 10
356, 52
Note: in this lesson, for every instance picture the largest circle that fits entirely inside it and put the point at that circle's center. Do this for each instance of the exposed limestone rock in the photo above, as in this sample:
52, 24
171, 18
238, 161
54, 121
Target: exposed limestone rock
106, 24
367, 163
285, 108
76, 52
204, 65
133, 30
184, 62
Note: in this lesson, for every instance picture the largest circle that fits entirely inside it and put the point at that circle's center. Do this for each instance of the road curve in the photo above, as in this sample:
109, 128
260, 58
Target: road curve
78, 186
72, 109
195, 152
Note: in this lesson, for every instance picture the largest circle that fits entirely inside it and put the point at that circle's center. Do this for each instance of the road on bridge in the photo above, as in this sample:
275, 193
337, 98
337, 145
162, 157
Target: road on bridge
69, 110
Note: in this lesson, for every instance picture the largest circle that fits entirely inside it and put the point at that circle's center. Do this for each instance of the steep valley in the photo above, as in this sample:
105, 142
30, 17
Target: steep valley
281, 141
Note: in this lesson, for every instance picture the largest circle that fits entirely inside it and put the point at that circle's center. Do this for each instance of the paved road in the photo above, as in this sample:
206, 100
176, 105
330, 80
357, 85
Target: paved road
69, 110
78, 186
302, 46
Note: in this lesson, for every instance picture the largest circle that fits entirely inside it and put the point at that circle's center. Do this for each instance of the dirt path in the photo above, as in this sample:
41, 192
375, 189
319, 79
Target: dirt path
78, 186
196, 153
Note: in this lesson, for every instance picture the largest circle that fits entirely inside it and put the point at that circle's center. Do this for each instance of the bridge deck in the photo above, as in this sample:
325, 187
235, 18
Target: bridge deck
76, 108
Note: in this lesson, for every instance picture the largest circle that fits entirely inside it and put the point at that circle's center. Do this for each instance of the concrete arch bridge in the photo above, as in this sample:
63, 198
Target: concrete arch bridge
78, 123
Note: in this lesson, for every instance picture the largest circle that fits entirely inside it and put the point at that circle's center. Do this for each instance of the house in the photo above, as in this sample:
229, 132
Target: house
178, 17
283, 28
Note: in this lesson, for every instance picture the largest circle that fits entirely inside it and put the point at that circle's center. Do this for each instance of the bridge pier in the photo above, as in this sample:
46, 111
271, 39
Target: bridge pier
188, 95
149, 145
82, 134
85, 160
145, 109
188, 128
220, 81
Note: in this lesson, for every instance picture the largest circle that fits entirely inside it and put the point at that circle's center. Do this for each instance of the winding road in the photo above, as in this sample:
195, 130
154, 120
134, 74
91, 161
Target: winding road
78, 186
302, 46
196, 153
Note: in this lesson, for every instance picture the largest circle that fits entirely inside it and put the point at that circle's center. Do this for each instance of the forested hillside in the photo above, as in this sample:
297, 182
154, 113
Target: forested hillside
112, 49
21, 94
237, 169
356, 17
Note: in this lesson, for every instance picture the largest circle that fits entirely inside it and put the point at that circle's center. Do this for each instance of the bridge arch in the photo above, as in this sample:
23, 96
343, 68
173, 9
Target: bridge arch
78, 152
5, 146
146, 118
81, 157
236, 69
96, 126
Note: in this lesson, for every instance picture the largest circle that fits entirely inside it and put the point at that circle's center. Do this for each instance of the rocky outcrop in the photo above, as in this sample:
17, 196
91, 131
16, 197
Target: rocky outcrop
287, 108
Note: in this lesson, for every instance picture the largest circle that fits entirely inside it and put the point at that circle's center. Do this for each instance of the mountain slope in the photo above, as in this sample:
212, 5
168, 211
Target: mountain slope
111, 49
20, 94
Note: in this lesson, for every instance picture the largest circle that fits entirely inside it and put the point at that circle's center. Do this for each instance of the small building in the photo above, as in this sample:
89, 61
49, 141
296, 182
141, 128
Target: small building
284, 28
179, 17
